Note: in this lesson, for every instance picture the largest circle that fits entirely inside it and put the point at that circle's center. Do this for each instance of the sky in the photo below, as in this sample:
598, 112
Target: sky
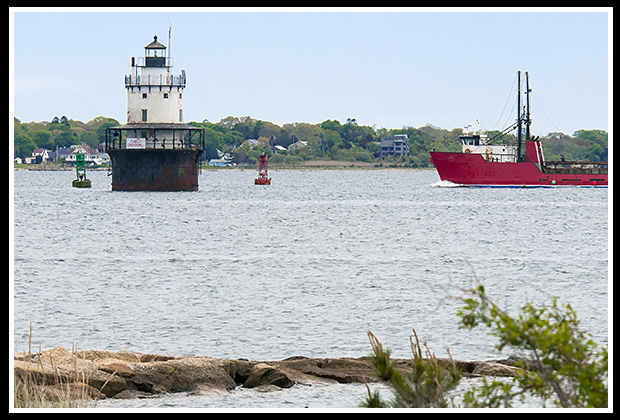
385, 67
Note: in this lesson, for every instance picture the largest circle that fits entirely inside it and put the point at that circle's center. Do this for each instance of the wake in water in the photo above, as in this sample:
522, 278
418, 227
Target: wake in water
446, 184
449, 184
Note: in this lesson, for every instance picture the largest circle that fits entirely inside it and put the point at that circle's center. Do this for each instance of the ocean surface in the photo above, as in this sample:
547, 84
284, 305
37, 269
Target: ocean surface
303, 267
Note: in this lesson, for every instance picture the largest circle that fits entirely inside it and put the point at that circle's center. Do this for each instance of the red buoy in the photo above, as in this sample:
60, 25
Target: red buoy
262, 172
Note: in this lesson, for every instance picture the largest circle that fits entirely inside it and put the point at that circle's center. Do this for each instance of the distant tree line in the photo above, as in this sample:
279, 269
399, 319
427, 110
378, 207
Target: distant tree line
329, 140
59, 133
349, 141
590, 145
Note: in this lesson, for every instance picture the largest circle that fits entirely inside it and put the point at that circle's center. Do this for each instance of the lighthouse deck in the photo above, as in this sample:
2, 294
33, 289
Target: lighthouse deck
154, 136
155, 156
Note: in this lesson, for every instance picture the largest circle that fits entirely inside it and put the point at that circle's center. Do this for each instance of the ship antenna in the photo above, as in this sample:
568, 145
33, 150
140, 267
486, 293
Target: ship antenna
169, 30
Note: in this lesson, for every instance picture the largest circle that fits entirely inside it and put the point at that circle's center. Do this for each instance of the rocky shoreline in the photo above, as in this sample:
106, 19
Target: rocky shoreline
127, 374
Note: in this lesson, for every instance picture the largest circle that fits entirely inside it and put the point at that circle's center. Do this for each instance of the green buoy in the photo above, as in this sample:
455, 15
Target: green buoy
80, 170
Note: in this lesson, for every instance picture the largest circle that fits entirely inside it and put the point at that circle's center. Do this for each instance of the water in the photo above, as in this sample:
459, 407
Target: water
303, 267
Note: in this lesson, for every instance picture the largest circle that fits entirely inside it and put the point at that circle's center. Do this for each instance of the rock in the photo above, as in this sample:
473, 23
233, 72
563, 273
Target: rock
342, 370
191, 371
264, 374
147, 377
240, 370
136, 375
151, 377
109, 384
155, 358
516, 361
125, 355
131, 394
496, 369
121, 368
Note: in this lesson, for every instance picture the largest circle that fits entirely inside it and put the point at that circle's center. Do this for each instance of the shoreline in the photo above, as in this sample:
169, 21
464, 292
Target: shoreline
128, 374
310, 165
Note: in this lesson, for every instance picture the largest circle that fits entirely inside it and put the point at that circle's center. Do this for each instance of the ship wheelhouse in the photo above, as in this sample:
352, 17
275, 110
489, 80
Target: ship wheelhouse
475, 142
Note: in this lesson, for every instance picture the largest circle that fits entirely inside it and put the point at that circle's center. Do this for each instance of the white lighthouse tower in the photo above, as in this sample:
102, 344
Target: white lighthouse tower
154, 94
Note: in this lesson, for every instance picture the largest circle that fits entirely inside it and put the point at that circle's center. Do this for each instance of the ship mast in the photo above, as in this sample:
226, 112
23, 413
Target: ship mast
523, 116
519, 116
527, 114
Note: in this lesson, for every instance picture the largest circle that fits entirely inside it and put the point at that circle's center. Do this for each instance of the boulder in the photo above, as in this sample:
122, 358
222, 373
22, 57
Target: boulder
151, 377
342, 370
264, 374
496, 369
125, 355
109, 384
117, 367
192, 371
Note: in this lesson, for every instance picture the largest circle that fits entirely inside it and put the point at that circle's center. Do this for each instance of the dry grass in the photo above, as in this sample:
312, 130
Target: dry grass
47, 388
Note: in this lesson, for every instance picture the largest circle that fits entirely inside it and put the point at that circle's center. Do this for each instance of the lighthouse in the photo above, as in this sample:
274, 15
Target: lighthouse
155, 150
154, 94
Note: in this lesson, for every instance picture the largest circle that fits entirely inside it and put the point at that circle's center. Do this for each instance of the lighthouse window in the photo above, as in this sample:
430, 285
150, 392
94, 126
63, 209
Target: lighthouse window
144, 115
165, 96
144, 95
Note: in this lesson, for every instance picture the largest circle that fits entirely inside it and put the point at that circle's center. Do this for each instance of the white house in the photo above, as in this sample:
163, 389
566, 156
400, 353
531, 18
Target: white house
91, 156
46, 155
225, 160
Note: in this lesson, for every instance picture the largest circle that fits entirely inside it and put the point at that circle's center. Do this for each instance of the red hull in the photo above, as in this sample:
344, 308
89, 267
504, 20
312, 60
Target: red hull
472, 169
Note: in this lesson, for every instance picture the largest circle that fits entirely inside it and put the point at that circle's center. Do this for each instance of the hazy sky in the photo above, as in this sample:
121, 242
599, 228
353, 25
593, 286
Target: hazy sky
384, 67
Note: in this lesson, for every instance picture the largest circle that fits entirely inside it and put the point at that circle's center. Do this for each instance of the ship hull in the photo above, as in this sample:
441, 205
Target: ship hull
474, 170
155, 170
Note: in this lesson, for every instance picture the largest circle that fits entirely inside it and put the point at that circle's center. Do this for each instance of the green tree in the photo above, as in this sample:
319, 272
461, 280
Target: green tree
566, 366
595, 153
245, 126
64, 139
331, 125
89, 138
42, 139
23, 145
595, 136
331, 140
102, 123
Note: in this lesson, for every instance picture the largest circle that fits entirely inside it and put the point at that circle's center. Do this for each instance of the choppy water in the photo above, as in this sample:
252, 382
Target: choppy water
305, 266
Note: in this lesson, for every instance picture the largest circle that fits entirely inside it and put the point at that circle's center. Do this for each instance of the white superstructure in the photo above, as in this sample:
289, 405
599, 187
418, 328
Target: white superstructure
475, 141
154, 94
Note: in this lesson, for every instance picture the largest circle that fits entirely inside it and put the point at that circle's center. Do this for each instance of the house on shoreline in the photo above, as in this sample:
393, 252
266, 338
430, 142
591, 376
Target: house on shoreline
67, 154
397, 145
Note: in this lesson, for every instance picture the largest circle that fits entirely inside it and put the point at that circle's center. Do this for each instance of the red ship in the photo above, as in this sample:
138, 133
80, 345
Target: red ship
491, 165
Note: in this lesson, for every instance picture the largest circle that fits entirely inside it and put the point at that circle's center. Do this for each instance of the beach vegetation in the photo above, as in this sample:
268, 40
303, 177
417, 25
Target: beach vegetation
559, 363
